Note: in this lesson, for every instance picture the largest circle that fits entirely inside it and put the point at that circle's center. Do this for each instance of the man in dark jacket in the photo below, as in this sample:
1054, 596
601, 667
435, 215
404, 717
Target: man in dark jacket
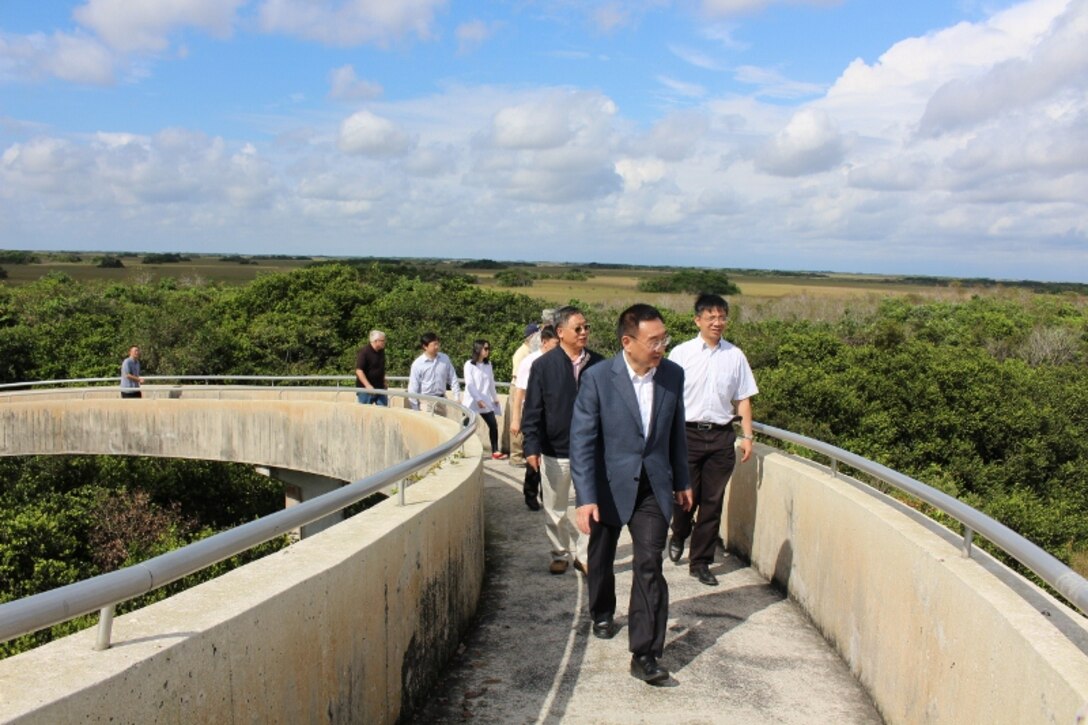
629, 460
545, 429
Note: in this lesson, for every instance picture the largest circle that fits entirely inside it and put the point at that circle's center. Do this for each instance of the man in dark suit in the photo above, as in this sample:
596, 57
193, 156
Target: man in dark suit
545, 430
628, 460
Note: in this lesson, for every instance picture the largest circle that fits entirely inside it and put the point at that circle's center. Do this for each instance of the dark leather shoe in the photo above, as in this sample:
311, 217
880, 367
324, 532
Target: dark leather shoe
702, 573
645, 668
604, 629
676, 549
532, 503
581, 567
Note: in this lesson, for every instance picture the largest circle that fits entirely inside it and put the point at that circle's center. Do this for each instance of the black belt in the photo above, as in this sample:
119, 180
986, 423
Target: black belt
699, 425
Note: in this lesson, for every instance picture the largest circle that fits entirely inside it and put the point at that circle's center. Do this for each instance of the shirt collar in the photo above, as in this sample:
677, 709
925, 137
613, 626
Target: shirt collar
635, 377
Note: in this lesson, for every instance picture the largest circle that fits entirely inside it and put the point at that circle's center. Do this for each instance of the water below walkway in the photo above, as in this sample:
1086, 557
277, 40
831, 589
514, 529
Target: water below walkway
738, 653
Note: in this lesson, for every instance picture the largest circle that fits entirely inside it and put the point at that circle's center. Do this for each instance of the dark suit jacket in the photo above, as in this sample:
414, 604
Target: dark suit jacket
608, 451
549, 402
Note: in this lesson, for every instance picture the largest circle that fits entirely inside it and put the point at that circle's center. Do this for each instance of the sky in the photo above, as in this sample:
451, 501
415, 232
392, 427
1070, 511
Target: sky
931, 137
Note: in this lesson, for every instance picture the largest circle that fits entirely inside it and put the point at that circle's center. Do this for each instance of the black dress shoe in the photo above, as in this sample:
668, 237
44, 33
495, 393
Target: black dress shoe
603, 629
702, 573
532, 503
676, 549
645, 668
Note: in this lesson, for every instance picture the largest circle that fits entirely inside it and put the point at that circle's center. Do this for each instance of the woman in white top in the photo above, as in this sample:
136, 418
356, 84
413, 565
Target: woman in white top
480, 391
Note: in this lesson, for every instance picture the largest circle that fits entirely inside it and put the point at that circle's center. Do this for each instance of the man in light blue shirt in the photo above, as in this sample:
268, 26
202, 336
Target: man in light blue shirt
130, 374
431, 372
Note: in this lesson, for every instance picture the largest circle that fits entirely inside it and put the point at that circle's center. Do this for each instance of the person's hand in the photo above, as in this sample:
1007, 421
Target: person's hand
481, 405
515, 428
584, 514
746, 450
533, 461
685, 499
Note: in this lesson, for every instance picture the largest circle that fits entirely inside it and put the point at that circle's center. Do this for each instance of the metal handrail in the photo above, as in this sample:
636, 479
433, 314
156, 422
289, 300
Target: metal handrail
1064, 580
105, 591
186, 378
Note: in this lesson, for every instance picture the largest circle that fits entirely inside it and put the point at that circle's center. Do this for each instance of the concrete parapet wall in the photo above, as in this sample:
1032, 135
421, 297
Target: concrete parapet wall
933, 636
351, 625
340, 440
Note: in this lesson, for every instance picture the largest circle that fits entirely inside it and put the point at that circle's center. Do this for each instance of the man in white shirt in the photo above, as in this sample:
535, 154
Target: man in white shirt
431, 372
718, 387
548, 340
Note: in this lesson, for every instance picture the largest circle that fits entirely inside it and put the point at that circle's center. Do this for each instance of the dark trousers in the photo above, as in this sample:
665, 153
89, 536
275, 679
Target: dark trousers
648, 609
130, 394
711, 459
531, 485
492, 429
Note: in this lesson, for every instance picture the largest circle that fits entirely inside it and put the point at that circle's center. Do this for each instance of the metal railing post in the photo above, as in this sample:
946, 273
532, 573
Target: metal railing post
105, 627
968, 540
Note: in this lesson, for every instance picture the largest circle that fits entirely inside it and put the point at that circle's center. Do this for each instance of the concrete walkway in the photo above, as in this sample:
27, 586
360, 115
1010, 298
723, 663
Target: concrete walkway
738, 653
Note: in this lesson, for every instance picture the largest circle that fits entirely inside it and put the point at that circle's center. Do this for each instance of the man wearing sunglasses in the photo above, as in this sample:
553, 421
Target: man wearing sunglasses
545, 431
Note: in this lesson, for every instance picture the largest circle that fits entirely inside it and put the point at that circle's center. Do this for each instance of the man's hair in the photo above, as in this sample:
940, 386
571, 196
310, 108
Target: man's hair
478, 350
705, 302
632, 317
548, 333
563, 315
427, 338
375, 334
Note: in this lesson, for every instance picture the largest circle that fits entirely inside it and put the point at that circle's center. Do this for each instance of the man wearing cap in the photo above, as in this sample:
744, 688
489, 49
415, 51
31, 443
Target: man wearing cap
718, 387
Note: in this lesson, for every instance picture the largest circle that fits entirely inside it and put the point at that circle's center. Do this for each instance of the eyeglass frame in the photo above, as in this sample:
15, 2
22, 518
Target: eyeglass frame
658, 345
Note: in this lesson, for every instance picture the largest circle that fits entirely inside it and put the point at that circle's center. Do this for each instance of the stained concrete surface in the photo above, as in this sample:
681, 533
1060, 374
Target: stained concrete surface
738, 653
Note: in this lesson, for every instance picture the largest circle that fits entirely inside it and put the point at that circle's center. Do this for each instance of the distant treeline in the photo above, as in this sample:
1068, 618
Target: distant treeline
985, 282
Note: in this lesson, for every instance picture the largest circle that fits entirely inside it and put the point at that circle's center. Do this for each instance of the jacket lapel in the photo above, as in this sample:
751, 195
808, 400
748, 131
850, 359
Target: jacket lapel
622, 383
659, 403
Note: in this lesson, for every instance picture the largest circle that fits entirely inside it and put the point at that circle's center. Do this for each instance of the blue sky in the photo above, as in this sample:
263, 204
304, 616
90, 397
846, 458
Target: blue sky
946, 138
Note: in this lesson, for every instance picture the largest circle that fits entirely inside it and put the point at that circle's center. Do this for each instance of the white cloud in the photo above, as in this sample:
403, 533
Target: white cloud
695, 58
637, 173
145, 25
772, 84
682, 88
351, 22
540, 124
77, 58
1056, 63
808, 144
346, 86
473, 34
611, 15
729, 8
371, 135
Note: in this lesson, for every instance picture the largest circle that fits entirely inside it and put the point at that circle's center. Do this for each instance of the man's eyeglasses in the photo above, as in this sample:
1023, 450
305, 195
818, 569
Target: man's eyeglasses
656, 344
580, 329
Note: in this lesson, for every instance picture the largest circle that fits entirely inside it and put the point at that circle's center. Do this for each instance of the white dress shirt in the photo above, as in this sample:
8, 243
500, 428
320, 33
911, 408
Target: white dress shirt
714, 377
644, 392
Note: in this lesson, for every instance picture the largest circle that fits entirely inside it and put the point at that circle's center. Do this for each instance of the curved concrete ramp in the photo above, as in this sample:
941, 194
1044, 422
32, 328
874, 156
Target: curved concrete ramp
738, 653
341, 440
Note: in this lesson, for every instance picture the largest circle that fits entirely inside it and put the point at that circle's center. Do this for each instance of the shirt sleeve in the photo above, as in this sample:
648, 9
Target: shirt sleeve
454, 385
415, 385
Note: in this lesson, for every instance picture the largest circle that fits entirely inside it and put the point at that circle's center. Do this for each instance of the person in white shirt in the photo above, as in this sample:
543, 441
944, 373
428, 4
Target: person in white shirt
480, 392
718, 387
530, 487
431, 373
